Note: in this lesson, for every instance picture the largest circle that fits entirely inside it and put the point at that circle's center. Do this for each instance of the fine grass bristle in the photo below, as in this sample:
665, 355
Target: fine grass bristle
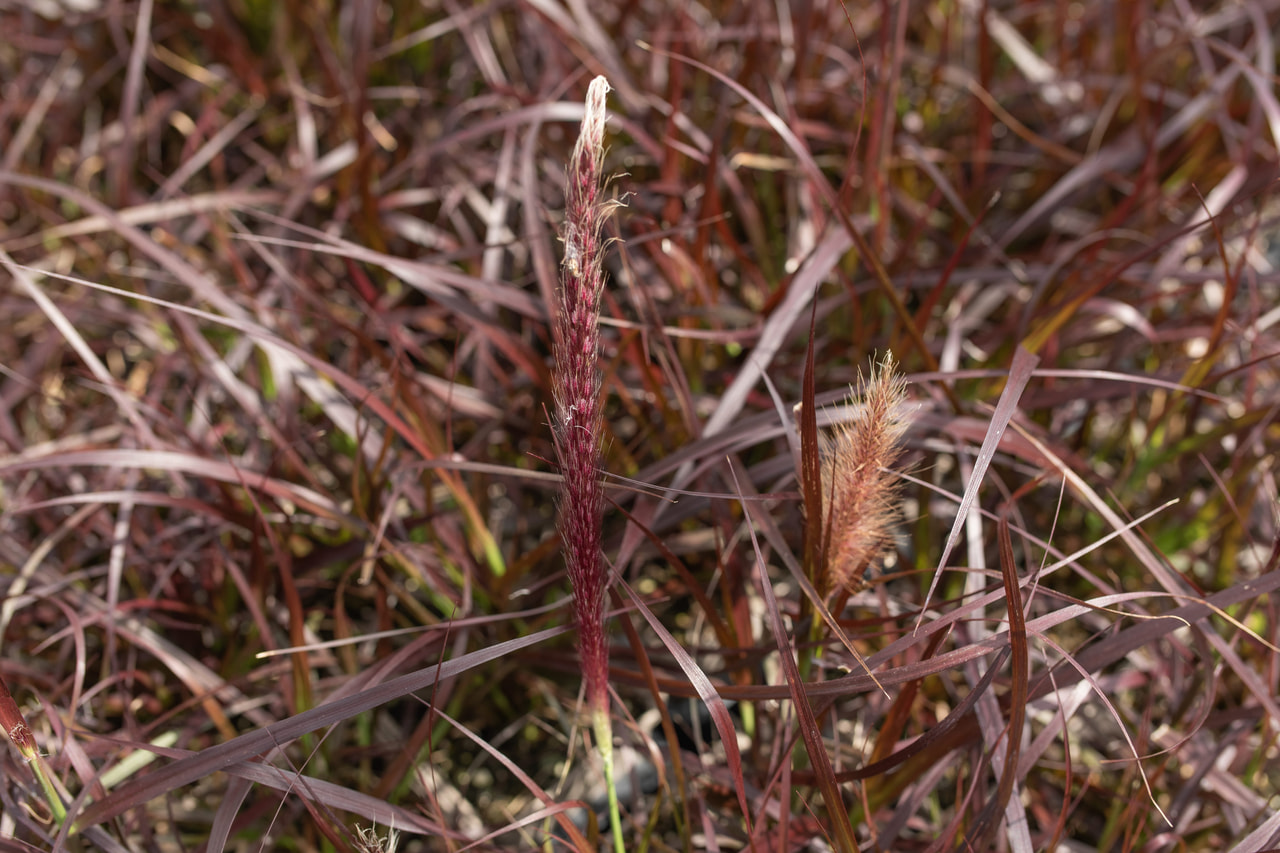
859, 492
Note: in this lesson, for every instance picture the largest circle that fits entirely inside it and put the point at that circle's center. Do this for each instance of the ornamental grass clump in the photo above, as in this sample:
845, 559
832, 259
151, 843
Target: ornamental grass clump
578, 426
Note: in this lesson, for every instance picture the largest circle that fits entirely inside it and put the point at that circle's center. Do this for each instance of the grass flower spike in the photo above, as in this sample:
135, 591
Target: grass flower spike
858, 493
578, 425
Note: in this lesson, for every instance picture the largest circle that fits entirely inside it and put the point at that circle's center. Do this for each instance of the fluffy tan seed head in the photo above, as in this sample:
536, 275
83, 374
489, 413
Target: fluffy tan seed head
859, 495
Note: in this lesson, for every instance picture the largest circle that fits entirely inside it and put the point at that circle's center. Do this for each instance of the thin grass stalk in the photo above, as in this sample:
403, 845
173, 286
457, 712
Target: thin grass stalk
579, 426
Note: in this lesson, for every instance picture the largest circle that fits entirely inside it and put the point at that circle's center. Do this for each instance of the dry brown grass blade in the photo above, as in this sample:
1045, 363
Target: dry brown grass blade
1198, 370
559, 812
248, 746
899, 714
957, 727
186, 463
708, 693
1264, 839
37, 110
320, 790
1020, 371
828, 193
1098, 656
339, 408
815, 747
212, 690
146, 214
128, 407
981, 833
813, 600
777, 329
1118, 157
709, 611
679, 789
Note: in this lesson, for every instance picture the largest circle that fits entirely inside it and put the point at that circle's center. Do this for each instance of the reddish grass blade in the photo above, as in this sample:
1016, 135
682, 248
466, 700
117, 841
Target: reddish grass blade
816, 533
984, 827
708, 693
319, 790
246, 747
820, 183
559, 811
956, 727
814, 746
1019, 374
